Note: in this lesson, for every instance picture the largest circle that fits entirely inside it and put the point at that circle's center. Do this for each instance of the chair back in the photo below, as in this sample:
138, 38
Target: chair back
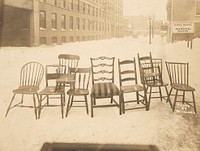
68, 61
145, 66
158, 68
52, 72
127, 72
178, 72
31, 74
102, 69
82, 77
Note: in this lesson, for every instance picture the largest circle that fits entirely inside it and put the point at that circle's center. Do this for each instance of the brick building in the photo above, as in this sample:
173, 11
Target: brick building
36, 22
184, 19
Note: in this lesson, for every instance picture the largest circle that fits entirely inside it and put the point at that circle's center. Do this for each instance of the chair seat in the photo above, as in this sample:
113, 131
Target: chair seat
182, 87
132, 88
66, 79
157, 84
104, 90
26, 90
51, 90
150, 74
77, 92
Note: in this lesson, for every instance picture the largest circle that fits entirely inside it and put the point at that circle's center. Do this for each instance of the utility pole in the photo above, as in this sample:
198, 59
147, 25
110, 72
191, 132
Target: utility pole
150, 29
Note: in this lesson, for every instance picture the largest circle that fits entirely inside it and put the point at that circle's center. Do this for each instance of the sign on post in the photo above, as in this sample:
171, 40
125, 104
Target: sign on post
183, 27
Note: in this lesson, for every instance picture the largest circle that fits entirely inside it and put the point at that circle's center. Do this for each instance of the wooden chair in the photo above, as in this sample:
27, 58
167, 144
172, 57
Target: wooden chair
179, 81
103, 82
68, 61
30, 79
50, 91
129, 84
82, 78
151, 77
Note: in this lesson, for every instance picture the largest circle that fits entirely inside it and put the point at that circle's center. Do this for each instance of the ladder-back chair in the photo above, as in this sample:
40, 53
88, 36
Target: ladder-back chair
30, 79
129, 84
103, 82
179, 81
82, 79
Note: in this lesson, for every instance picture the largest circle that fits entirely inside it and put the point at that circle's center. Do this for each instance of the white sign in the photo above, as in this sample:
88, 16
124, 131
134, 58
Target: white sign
183, 28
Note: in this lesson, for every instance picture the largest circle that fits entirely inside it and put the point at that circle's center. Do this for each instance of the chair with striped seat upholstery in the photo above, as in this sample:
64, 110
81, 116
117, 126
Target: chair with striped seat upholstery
103, 83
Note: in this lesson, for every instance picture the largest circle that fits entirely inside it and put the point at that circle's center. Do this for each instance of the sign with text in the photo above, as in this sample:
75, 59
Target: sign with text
183, 27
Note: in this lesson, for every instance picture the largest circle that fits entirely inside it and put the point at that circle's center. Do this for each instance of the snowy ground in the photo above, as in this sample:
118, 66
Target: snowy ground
170, 131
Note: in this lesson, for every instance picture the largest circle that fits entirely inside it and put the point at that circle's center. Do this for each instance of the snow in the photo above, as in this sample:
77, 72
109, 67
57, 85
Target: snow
174, 131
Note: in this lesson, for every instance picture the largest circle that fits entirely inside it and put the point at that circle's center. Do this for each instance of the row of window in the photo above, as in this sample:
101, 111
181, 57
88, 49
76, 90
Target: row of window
80, 24
54, 39
85, 8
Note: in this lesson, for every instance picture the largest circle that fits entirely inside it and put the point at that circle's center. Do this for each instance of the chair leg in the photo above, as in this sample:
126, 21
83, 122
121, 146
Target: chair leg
137, 96
92, 103
145, 100
40, 106
160, 92
72, 101
86, 103
22, 99
35, 108
175, 100
62, 105
111, 101
67, 110
168, 96
120, 106
150, 97
10, 104
183, 100
195, 110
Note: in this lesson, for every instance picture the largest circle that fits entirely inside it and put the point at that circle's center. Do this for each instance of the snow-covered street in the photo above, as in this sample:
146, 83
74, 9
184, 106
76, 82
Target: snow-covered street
170, 131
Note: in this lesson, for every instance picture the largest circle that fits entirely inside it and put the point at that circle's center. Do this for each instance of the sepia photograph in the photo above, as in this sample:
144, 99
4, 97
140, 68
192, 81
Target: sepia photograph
99, 75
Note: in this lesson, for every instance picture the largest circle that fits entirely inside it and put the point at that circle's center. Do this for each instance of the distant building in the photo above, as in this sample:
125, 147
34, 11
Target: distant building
184, 19
136, 24
37, 22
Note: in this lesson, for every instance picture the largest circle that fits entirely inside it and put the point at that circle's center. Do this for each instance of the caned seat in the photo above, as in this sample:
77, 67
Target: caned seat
30, 78
151, 77
80, 88
179, 80
129, 84
51, 91
103, 85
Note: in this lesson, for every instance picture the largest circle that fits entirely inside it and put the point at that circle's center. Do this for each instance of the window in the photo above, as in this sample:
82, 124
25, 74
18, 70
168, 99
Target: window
88, 24
77, 23
76, 5
42, 19
54, 20
63, 39
42, 0
71, 22
54, 39
82, 7
198, 8
70, 4
54, 2
83, 24
43, 40
63, 22
71, 39
63, 3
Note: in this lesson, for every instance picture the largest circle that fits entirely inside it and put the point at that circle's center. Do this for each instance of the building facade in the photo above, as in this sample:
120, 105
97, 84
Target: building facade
37, 22
184, 19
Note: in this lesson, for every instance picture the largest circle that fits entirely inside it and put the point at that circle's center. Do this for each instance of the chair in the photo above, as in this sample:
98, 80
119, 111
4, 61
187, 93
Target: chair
50, 91
68, 61
30, 78
179, 81
151, 76
82, 78
103, 82
129, 84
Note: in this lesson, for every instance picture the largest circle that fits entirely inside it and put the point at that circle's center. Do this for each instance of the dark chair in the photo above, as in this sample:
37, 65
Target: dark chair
129, 84
68, 61
179, 81
103, 82
50, 91
151, 77
30, 78
82, 78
